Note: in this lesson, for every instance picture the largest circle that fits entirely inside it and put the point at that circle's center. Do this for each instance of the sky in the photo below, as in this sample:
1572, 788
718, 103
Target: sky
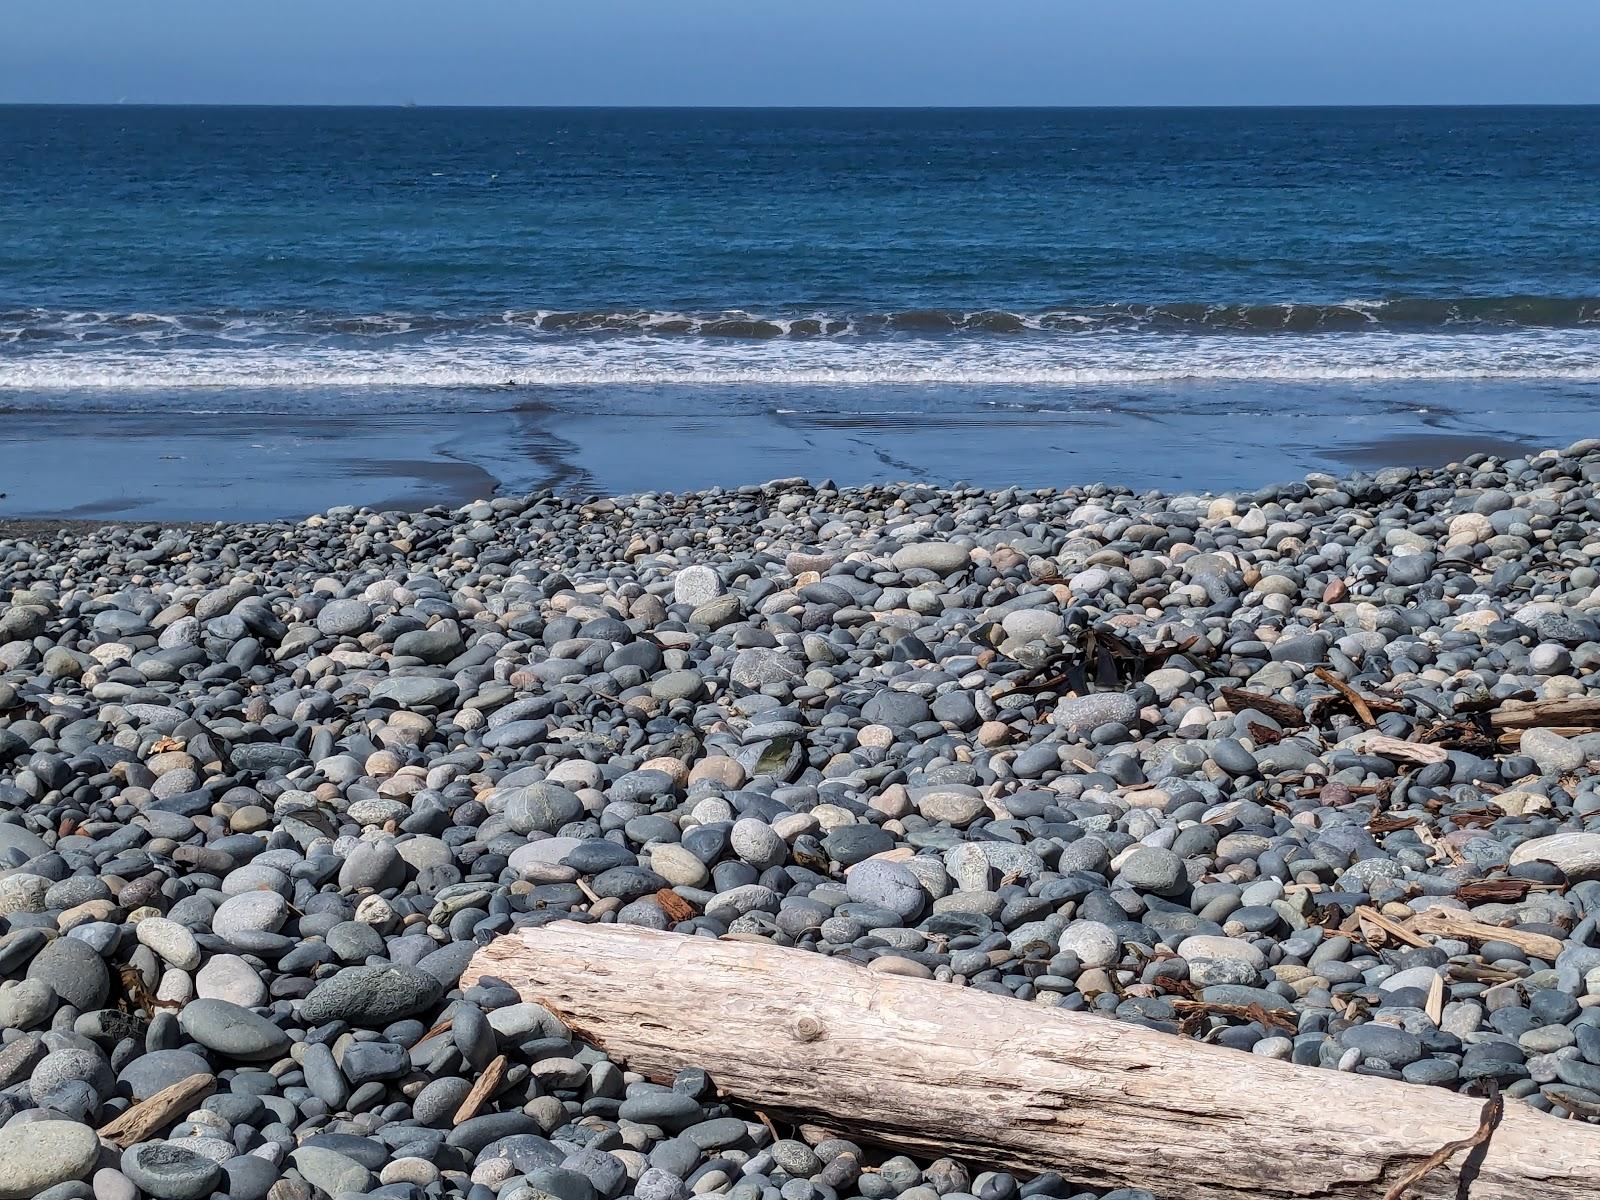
800, 52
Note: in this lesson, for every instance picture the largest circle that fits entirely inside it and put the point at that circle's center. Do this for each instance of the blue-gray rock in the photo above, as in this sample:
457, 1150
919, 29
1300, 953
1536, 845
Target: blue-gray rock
247, 1177
1153, 869
149, 1073
669, 1110
371, 996
437, 1102
366, 1061
438, 644
897, 710
170, 1172
541, 808
1394, 1046
942, 558
74, 972
67, 1065
265, 757
232, 1031
758, 667
323, 1076
344, 618
656, 1184
332, 1172
423, 693
887, 885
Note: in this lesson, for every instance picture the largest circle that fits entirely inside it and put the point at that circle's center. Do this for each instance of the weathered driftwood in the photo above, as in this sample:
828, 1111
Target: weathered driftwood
481, 1091
1453, 923
1421, 753
148, 1117
1579, 712
919, 1065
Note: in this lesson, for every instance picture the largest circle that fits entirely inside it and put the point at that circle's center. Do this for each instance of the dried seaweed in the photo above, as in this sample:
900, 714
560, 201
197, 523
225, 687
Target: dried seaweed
1263, 736
1459, 734
1281, 711
1098, 658
1389, 822
1495, 891
136, 995
1194, 1011
674, 905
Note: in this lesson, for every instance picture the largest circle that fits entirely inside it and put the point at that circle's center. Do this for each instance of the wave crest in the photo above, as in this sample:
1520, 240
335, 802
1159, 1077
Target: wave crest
32, 327
495, 361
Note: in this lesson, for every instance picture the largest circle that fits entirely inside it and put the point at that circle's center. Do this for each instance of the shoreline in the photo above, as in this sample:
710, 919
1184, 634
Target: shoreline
119, 468
457, 484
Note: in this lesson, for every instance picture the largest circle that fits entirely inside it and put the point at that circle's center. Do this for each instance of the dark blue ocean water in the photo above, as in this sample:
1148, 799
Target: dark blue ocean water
865, 269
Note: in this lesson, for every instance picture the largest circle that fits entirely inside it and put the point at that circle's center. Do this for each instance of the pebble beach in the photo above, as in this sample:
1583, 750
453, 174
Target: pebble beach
1272, 769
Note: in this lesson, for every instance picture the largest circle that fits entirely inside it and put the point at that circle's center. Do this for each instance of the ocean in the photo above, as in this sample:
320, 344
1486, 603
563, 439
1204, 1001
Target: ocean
203, 307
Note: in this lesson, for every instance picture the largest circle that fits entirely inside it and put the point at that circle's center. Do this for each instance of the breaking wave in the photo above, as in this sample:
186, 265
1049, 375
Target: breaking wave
22, 328
482, 360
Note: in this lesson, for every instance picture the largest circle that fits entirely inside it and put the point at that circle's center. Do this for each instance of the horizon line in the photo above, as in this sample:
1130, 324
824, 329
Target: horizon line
407, 104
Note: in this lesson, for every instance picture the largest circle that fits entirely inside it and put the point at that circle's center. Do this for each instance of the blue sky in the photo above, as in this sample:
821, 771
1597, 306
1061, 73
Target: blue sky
782, 52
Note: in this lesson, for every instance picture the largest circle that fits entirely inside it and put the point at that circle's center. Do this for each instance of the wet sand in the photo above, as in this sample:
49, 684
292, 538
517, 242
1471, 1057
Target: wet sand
139, 467
163, 467
1427, 450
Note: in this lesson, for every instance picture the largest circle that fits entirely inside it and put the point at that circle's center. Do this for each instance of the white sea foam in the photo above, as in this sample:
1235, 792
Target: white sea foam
473, 361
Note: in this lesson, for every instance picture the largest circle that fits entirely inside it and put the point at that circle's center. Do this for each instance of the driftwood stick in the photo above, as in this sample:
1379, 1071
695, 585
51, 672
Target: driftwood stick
1421, 753
1453, 923
1435, 1003
153, 1114
1370, 916
1352, 697
1511, 739
482, 1090
919, 1065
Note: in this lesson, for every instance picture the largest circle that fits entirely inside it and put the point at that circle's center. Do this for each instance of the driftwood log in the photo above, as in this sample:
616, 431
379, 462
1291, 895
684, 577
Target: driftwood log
919, 1065
1578, 712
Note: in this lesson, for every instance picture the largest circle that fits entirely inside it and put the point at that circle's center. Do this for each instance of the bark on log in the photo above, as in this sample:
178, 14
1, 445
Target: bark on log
919, 1065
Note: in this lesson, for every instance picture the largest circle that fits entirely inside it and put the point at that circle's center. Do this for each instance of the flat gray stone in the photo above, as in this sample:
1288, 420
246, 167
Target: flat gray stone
74, 971
541, 808
942, 558
955, 804
756, 667
1553, 753
43, 1154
